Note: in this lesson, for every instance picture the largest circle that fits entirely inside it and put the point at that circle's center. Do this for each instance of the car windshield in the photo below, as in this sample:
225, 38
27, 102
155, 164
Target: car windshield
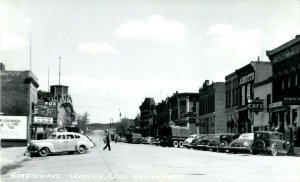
261, 135
247, 135
52, 136
192, 136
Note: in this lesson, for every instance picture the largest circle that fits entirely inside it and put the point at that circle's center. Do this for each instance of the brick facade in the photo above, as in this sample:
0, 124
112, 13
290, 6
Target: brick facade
18, 96
212, 108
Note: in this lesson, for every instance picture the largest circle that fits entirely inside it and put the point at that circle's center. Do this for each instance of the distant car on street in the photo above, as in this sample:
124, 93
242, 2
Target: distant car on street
122, 139
195, 141
269, 142
134, 138
147, 140
60, 142
156, 141
220, 141
242, 144
189, 140
203, 143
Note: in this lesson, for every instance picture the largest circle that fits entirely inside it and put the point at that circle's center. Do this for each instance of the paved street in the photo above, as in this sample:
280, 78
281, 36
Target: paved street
133, 162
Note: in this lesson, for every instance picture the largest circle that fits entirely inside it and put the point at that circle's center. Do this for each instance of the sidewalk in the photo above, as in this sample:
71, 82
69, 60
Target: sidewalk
297, 151
12, 155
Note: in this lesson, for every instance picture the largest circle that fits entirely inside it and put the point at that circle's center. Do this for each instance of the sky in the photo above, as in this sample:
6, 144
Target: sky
114, 53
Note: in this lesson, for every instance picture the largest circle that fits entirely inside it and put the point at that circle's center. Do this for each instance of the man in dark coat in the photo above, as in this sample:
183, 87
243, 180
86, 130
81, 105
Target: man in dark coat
107, 140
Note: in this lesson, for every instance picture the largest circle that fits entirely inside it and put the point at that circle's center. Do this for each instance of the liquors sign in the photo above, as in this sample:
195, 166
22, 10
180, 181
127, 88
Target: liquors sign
246, 78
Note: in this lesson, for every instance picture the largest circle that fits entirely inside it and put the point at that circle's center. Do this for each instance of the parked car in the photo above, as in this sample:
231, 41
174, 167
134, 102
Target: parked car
134, 138
242, 144
60, 142
189, 140
202, 145
156, 141
195, 141
121, 139
220, 141
213, 143
270, 142
147, 140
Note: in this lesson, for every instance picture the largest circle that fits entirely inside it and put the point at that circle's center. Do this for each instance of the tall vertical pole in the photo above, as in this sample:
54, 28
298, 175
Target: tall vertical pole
48, 78
30, 50
59, 71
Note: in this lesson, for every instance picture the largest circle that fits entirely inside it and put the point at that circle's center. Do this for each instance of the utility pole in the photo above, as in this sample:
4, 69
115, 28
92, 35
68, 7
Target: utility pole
59, 71
30, 51
48, 78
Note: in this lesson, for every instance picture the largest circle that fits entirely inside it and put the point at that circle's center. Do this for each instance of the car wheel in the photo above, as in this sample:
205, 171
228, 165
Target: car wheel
175, 143
180, 144
188, 147
274, 150
82, 149
44, 152
214, 150
33, 155
254, 152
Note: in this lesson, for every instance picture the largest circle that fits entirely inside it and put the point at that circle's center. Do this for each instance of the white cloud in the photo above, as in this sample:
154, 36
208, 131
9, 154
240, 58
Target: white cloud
156, 27
230, 41
12, 41
94, 48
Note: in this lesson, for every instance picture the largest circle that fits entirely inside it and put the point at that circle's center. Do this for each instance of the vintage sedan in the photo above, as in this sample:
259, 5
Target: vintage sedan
226, 139
195, 141
242, 144
60, 142
220, 141
203, 143
147, 140
188, 141
269, 142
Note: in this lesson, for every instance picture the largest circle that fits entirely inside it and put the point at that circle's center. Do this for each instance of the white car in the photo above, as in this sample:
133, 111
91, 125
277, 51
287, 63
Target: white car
189, 140
60, 142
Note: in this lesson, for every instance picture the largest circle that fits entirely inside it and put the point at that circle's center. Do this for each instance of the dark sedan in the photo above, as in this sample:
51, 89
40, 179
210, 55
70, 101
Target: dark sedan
220, 141
242, 144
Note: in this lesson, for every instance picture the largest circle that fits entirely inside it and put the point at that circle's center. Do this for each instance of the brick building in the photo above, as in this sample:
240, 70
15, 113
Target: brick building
211, 118
162, 113
182, 109
232, 101
260, 110
178, 110
285, 107
18, 97
147, 117
239, 90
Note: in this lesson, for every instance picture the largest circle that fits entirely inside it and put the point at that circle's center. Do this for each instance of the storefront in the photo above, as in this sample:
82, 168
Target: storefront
285, 118
43, 120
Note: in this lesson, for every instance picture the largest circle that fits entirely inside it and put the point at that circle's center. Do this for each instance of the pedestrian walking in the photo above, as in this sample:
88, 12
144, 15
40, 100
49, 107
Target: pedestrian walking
107, 140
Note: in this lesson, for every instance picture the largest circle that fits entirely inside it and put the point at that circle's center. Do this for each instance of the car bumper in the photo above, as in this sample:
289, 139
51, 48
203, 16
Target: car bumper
28, 153
202, 146
186, 145
212, 147
239, 148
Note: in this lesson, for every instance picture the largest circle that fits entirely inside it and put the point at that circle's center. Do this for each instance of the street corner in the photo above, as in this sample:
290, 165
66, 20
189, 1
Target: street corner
12, 156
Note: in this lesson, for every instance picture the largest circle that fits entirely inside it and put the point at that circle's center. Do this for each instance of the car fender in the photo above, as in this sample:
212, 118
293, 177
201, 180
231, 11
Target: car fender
83, 143
48, 145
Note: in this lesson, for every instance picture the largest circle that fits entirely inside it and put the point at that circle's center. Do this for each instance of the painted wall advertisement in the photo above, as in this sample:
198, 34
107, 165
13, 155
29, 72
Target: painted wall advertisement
13, 127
